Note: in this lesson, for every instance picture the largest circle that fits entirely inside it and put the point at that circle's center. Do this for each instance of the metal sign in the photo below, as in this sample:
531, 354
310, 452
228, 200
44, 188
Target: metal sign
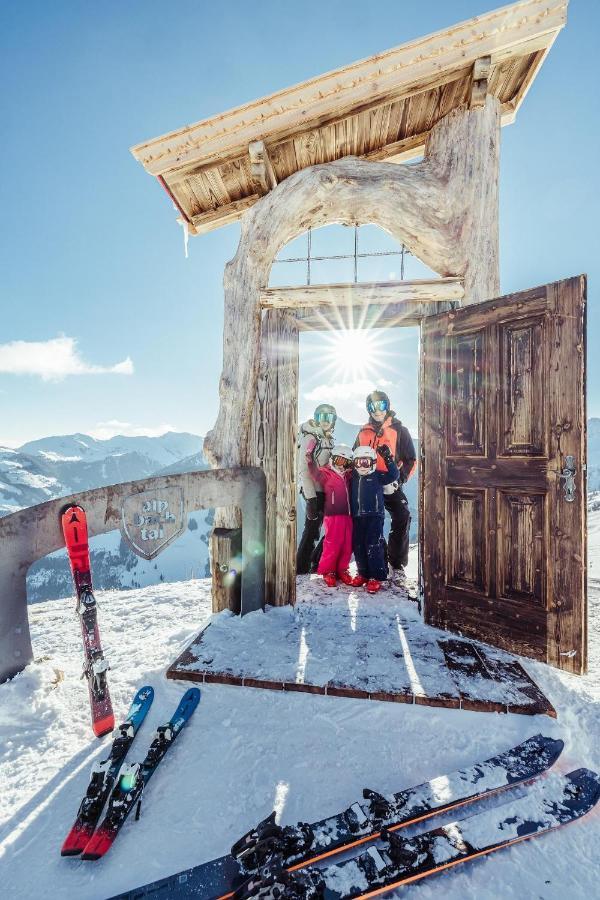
150, 520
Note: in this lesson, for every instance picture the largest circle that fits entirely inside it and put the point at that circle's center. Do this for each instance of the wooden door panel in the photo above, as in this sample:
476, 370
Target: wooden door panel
465, 539
467, 400
522, 430
520, 571
503, 549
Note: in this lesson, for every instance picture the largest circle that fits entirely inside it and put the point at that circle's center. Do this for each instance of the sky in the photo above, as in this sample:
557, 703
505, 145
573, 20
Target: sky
105, 326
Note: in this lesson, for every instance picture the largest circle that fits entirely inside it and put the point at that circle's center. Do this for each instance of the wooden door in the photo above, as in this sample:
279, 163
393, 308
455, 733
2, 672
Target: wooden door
503, 525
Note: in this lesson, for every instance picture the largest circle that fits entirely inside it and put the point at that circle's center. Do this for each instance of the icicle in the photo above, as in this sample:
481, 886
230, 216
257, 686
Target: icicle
186, 235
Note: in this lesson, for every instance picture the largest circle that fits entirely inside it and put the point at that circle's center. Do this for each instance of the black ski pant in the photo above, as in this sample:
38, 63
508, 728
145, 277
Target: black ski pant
305, 561
369, 547
397, 547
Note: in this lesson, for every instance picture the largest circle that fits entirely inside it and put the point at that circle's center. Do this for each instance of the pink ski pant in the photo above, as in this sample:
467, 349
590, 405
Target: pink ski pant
337, 545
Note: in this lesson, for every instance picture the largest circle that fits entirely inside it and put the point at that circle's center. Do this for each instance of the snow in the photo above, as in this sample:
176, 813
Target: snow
31, 479
345, 637
246, 751
56, 457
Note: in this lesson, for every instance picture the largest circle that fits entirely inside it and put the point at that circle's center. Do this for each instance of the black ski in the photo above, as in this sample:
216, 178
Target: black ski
270, 847
397, 860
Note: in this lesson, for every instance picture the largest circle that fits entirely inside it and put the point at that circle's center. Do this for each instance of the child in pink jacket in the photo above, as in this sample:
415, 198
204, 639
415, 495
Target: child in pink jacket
337, 546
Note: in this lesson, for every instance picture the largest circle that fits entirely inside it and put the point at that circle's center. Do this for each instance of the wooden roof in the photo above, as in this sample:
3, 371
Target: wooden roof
379, 108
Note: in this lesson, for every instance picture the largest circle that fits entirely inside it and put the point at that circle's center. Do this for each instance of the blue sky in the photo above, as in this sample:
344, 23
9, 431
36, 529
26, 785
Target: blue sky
91, 258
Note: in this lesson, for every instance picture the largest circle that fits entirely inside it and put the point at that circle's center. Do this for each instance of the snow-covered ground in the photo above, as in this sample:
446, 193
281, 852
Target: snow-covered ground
246, 751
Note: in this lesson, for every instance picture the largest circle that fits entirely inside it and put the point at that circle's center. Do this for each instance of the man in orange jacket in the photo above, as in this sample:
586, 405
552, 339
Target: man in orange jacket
384, 428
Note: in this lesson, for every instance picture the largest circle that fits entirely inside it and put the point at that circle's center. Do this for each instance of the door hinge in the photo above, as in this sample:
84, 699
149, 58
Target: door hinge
569, 653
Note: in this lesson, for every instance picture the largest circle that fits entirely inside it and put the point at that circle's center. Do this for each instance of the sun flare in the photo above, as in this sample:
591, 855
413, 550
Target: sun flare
354, 354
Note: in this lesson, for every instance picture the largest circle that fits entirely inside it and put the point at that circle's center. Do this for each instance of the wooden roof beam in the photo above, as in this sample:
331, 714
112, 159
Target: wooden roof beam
339, 296
406, 314
261, 167
479, 81
222, 215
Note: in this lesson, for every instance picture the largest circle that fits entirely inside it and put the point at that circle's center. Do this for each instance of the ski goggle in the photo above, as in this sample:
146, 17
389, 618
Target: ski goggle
378, 406
364, 462
342, 462
325, 417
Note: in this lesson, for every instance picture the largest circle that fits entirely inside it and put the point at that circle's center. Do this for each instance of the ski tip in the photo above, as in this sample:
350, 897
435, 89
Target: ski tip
104, 726
98, 845
192, 695
76, 840
70, 508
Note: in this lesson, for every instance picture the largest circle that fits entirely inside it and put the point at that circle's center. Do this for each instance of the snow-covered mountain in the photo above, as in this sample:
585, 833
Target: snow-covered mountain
59, 465
54, 466
594, 454
25, 480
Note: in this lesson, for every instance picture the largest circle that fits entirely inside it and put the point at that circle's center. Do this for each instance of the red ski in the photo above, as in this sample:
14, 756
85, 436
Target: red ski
74, 525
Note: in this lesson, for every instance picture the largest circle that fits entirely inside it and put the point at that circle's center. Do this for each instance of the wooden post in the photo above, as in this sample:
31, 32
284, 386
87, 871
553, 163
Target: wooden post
225, 551
264, 439
274, 443
287, 419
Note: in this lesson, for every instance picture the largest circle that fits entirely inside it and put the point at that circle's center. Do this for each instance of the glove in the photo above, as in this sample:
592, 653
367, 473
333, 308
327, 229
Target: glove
384, 452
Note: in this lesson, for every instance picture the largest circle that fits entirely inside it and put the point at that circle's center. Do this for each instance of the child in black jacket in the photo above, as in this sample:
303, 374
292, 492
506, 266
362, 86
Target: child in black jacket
368, 514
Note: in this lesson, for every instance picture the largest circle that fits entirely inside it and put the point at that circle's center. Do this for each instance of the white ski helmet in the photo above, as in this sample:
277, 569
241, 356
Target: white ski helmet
340, 457
365, 460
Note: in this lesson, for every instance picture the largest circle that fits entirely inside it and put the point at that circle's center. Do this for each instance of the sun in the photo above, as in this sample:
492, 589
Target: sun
353, 354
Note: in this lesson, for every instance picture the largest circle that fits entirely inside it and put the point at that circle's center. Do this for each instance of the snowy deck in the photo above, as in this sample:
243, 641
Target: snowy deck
346, 643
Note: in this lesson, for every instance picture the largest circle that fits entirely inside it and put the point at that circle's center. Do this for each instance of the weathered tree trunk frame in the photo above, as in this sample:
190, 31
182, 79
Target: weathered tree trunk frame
444, 209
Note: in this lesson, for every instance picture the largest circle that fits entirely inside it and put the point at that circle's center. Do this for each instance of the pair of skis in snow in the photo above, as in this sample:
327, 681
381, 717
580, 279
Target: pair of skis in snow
95, 667
122, 784
278, 863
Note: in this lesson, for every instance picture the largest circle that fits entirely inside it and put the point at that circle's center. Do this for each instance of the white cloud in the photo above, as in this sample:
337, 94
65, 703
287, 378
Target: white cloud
103, 431
53, 360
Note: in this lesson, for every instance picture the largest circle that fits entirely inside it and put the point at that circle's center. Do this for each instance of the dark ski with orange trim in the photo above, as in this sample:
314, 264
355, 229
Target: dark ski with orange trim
95, 667
397, 860
271, 848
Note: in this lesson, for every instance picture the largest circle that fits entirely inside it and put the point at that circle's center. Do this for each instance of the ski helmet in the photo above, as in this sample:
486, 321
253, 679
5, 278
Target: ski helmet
365, 460
378, 401
325, 412
340, 458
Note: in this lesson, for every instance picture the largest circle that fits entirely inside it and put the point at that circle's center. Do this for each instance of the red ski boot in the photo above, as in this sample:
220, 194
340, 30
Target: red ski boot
373, 586
330, 579
359, 580
346, 578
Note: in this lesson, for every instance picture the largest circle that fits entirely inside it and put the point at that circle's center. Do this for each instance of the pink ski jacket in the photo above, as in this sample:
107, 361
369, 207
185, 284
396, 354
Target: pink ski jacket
335, 487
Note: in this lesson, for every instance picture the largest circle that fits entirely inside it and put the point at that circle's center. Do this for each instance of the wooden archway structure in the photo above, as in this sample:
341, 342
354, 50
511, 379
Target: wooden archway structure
503, 439
444, 209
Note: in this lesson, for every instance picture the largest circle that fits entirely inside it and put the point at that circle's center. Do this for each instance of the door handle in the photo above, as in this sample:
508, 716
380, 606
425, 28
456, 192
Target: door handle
568, 477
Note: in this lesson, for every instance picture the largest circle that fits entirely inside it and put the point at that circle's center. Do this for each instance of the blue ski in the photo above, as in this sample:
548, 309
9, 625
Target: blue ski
134, 777
104, 775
